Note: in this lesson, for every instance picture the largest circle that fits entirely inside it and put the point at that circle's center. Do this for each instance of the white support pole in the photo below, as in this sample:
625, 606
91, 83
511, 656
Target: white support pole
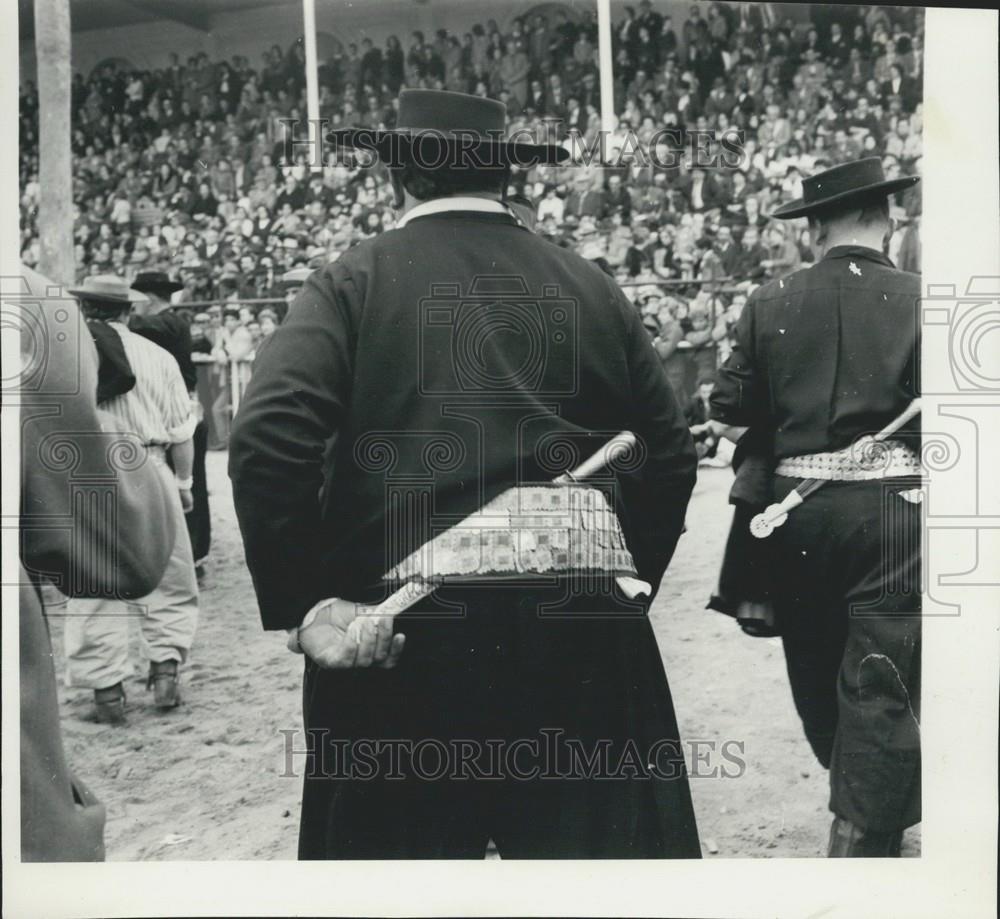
606, 64
312, 81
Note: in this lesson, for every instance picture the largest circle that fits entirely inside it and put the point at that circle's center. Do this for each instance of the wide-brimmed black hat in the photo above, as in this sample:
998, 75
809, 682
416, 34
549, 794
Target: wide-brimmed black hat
843, 185
431, 122
156, 282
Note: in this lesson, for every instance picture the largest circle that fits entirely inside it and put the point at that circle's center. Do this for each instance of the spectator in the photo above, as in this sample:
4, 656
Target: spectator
191, 180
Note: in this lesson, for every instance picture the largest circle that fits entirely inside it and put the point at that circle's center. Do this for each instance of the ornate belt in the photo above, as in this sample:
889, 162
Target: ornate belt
865, 459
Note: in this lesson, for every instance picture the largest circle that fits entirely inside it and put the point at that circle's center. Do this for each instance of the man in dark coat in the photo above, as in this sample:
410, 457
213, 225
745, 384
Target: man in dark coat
822, 358
156, 321
449, 356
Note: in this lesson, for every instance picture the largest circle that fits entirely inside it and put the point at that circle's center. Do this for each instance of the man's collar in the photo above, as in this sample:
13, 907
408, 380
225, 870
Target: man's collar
455, 203
872, 255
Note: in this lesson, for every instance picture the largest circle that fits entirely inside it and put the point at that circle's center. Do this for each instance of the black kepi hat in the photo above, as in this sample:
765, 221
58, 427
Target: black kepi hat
429, 120
156, 282
843, 185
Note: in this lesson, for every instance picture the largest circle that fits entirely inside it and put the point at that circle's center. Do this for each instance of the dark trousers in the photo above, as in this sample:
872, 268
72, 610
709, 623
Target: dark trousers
199, 520
848, 600
514, 690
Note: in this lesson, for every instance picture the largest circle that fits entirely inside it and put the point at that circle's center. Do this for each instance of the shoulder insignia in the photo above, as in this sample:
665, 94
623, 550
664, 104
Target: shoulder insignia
854, 269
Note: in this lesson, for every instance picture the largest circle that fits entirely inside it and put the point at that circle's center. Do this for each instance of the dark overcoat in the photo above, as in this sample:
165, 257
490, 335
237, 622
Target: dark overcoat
451, 359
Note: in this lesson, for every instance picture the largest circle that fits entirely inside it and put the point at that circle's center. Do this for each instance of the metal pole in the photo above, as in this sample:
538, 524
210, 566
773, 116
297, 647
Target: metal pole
606, 65
312, 82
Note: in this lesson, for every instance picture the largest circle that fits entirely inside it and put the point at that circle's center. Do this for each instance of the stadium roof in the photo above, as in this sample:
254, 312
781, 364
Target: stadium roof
103, 14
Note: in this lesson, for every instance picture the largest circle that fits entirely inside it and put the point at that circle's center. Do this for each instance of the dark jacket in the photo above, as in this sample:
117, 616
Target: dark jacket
824, 355
452, 358
173, 334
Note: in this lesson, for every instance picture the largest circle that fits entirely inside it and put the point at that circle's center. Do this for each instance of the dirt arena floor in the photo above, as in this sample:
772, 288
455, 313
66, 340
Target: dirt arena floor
206, 781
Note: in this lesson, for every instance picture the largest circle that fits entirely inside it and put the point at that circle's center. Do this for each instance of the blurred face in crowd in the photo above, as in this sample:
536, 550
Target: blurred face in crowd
705, 390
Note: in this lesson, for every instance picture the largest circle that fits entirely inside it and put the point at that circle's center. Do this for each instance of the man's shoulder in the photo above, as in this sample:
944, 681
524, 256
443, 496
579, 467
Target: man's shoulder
166, 321
781, 288
138, 346
837, 272
396, 246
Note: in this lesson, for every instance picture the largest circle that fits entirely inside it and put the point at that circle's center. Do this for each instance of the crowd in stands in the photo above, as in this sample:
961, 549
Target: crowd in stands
182, 167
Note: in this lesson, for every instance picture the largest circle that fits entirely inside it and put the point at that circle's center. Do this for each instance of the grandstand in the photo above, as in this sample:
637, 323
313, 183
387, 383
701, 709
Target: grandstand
178, 154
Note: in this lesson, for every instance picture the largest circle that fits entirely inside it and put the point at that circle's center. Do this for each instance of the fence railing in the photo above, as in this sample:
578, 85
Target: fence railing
221, 385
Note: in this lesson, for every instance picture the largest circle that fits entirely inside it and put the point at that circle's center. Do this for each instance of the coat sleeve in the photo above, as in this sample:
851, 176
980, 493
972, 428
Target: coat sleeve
53, 828
739, 396
294, 404
656, 494
119, 549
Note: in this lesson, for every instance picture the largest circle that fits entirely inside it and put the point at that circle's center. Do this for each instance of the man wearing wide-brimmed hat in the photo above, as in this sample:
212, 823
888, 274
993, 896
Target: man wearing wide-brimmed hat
156, 320
157, 412
823, 357
448, 357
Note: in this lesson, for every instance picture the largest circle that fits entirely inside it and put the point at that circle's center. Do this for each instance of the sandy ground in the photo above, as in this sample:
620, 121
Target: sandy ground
207, 782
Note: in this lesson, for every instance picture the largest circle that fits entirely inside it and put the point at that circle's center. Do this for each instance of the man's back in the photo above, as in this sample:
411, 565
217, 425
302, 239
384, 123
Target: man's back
826, 354
157, 409
171, 333
455, 357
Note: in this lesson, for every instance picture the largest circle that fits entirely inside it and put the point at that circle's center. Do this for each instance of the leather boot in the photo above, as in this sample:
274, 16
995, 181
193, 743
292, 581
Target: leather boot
163, 681
850, 841
109, 704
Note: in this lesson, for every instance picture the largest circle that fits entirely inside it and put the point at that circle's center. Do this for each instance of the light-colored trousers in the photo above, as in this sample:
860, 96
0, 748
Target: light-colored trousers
97, 631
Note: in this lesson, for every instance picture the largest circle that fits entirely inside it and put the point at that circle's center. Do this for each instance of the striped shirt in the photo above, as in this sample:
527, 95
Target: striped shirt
158, 408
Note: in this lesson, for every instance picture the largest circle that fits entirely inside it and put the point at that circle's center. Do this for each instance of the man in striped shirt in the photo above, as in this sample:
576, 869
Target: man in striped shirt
158, 413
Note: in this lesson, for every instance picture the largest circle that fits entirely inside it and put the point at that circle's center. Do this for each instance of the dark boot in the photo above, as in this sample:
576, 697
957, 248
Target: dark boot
850, 841
163, 681
109, 704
